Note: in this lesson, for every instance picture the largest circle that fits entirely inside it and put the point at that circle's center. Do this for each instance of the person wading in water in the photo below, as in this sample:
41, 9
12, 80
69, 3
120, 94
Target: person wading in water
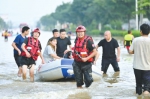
83, 52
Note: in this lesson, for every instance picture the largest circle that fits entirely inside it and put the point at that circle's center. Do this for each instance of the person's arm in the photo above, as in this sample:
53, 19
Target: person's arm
91, 48
98, 54
16, 41
23, 47
52, 53
124, 43
90, 56
96, 57
132, 38
116, 45
118, 54
96, 47
70, 47
131, 49
16, 48
41, 56
55, 56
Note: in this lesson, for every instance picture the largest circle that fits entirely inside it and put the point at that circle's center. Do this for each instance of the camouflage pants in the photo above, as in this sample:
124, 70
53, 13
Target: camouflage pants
83, 72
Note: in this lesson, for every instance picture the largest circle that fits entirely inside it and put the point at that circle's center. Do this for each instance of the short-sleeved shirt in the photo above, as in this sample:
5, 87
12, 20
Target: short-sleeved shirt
62, 46
18, 41
109, 48
47, 53
26, 42
141, 48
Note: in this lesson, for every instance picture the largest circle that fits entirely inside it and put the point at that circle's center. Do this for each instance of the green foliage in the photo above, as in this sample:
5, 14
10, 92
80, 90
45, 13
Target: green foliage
107, 27
136, 33
3, 25
116, 24
92, 12
94, 32
121, 33
144, 7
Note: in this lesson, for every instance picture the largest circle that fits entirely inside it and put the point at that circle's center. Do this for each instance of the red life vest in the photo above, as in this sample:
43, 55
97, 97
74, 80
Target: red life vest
32, 47
81, 50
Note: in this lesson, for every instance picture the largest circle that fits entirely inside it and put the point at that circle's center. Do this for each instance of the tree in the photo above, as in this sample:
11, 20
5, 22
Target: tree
3, 25
92, 12
144, 7
62, 13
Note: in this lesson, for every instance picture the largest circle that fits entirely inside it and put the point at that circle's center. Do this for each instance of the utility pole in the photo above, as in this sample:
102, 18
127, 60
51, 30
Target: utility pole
136, 9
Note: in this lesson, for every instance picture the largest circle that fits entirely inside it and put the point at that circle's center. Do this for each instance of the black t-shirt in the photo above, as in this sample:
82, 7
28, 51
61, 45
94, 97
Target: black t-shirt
26, 42
109, 48
62, 46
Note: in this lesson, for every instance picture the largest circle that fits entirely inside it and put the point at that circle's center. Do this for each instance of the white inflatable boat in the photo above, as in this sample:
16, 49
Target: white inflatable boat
60, 69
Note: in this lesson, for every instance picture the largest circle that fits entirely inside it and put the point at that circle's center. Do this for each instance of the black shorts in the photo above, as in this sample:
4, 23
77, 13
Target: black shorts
27, 61
17, 60
106, 62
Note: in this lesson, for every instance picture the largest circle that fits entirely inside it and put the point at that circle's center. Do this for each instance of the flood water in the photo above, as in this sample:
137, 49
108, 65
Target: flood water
111, 86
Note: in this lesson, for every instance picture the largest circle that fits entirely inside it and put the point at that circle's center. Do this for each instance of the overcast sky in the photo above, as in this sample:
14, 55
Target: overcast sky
27, 11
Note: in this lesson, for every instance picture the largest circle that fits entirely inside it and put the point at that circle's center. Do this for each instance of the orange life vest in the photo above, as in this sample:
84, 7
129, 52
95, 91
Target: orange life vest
81, 50
32, 47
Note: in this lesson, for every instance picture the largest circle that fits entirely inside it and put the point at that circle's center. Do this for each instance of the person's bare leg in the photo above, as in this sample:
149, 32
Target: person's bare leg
24, 71
79, 87
32, 73
146, 93
20, 71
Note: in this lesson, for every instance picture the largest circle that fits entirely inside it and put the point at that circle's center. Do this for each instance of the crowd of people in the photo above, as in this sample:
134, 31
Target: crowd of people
84, 53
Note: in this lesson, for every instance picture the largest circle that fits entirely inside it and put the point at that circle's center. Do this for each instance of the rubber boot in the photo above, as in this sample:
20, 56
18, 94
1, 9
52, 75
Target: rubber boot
139, 90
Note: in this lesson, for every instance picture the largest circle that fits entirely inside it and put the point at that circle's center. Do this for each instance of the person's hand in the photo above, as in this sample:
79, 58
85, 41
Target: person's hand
19, 52
60, 58
84, 59
66, 51
28, 54
43, 62
94, 62
118, 59
71, 57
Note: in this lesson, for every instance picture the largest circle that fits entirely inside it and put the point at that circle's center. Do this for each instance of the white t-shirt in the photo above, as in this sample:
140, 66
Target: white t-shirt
141, 48
47, 53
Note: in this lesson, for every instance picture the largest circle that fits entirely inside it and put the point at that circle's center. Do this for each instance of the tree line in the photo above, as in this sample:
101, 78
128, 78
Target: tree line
3, 25
91, 13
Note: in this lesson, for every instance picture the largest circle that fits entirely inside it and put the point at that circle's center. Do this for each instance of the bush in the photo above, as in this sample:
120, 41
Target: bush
136, 33
94, 32
122, 33
107, 27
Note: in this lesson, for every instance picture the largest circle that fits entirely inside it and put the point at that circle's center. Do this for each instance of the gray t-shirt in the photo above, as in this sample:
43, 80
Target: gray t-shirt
141, 48
47, 53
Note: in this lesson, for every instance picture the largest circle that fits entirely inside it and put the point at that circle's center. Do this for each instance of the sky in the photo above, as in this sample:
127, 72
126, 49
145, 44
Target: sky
27, 11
